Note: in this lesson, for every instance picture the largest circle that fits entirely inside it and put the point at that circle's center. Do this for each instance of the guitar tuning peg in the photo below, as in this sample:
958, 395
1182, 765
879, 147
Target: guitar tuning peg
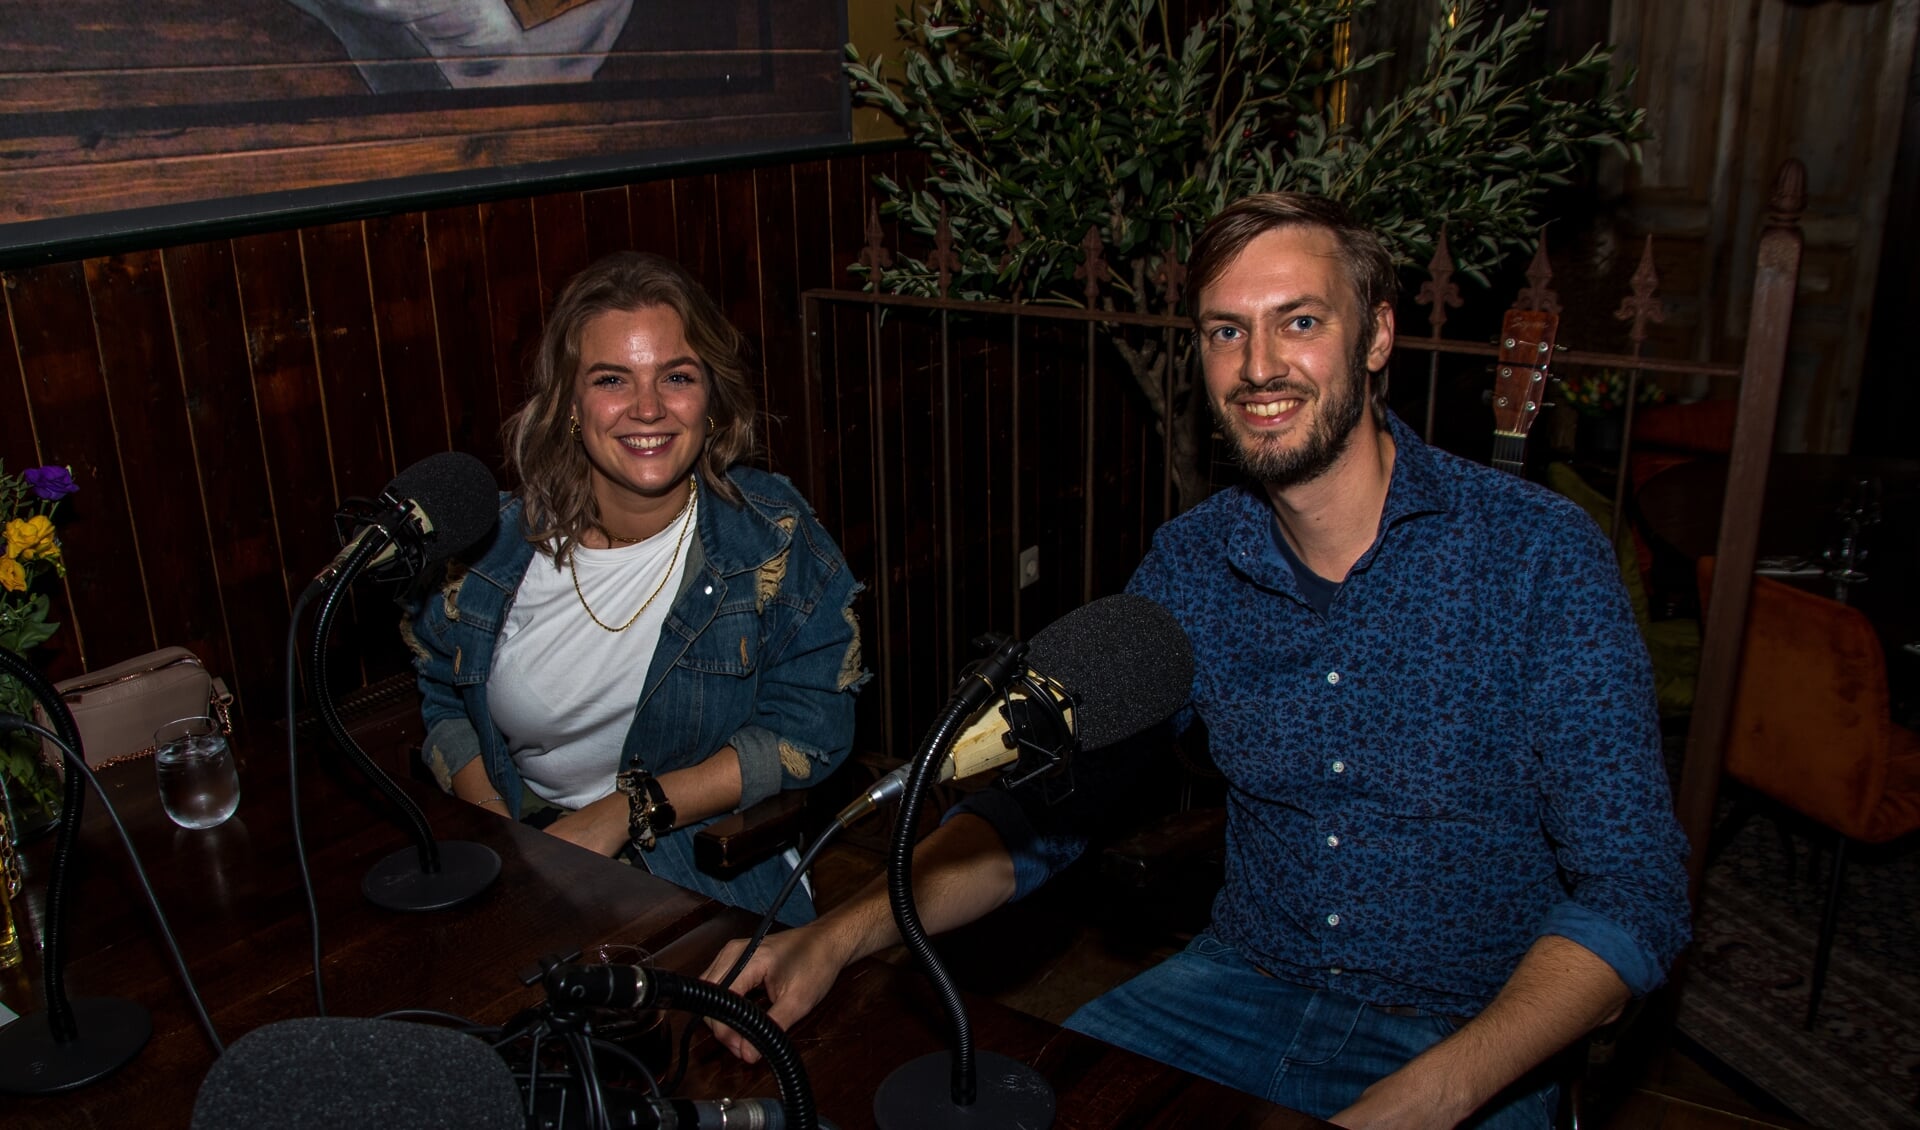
1558, 348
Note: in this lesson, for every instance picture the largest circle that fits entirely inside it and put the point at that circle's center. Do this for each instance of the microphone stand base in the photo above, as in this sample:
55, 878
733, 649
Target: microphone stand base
919, 1096
32, 1062
397, 883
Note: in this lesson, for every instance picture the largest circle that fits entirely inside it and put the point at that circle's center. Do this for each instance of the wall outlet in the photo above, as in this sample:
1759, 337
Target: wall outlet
1029, 565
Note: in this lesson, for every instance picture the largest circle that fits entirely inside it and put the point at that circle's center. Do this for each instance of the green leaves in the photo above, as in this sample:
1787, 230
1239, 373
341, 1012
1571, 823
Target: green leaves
1098, 114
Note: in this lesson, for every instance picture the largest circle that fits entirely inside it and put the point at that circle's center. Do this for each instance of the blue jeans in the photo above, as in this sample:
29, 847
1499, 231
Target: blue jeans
1207, 1011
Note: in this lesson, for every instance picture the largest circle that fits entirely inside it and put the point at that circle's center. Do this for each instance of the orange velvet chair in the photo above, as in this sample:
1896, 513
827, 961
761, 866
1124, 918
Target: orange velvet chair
1811, 729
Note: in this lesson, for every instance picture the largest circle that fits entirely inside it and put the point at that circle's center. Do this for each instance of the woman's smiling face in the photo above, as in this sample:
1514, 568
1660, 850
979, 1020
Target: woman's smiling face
640, 396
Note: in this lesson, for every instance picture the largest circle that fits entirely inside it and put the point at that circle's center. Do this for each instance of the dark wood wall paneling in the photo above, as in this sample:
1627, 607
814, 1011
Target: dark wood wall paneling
218, 400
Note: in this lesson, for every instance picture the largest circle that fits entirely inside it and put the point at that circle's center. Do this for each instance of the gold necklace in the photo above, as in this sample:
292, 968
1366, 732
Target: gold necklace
693, 492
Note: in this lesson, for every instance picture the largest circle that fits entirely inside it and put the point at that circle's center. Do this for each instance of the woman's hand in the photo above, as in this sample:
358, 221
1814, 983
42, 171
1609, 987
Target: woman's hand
599, 827
796, 968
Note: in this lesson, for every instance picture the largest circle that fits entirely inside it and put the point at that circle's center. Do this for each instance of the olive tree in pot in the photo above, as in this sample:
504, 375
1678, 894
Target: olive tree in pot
1046, 120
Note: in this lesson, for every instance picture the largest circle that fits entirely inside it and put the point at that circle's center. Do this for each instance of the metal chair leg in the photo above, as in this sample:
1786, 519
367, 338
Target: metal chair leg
1829, 918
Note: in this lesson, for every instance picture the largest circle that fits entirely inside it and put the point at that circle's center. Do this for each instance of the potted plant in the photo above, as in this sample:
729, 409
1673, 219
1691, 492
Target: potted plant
29, 784
1055, 130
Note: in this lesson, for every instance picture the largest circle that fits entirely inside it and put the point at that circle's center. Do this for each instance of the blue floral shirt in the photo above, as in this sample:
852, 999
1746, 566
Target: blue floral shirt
1461, 755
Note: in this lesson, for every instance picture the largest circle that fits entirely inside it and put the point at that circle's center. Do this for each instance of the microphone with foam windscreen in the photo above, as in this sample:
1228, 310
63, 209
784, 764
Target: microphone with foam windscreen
1111, 670
1095, 676
324, 1073
429, 512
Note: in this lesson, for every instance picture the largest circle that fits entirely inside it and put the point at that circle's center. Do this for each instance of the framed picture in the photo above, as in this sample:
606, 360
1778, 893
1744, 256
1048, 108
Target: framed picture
134, 122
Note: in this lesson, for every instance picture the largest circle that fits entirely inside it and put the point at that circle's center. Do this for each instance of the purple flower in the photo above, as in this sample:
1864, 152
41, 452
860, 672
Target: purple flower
50, 482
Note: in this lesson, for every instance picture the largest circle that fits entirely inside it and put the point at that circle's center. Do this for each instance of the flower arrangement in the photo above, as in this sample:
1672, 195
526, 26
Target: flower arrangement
27, 501
1604, 392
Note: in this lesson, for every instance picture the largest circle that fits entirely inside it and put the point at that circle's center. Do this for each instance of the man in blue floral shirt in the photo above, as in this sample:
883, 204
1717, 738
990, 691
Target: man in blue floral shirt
1450, 845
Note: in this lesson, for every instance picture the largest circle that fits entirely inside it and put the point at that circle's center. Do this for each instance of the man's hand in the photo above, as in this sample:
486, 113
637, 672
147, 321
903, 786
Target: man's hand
961, 871
796, 968
1404, 1100
1560, 992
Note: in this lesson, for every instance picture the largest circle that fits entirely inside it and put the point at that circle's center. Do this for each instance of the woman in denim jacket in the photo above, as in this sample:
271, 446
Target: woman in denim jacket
656, 635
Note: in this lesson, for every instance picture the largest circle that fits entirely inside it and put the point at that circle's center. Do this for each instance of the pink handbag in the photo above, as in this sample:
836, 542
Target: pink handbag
117, 708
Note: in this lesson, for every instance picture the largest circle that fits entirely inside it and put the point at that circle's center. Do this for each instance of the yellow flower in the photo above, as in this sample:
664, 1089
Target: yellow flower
32, 538
12, 576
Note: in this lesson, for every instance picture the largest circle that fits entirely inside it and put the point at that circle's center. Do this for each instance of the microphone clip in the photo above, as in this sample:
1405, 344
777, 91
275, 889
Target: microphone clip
398, 520
1040, 727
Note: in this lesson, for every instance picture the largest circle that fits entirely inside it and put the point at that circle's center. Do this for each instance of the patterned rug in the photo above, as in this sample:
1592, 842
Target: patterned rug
1747, 984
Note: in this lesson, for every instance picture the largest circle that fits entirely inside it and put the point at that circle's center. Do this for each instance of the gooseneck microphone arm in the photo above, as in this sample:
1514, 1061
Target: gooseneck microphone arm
972, 694
78, 766
54, 1051
434, 509
571, 987
909, 1099
73, 798
335, 581
437, 875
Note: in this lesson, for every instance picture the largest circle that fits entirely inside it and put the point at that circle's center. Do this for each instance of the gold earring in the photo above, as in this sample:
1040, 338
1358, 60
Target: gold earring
711, 426
573, 426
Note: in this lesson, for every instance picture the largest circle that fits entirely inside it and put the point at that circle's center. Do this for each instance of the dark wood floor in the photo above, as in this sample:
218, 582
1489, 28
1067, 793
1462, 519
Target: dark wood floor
1049, 956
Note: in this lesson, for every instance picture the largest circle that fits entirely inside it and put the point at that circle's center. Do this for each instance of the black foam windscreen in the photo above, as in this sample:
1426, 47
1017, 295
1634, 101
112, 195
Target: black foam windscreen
323, 1073
457, 494
1124, 657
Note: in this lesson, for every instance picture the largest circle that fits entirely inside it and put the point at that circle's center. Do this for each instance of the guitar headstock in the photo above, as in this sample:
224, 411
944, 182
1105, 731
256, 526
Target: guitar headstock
1520, 375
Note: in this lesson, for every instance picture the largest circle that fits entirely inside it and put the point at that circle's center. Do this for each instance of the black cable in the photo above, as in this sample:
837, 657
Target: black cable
461, 1022
819, 845
78, 763
589, 1073
682, 1057
293, 791
633, 1061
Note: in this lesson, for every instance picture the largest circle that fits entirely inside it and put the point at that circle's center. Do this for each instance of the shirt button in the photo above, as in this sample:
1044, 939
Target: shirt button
1333, 920
1339, 767
1333, 841
709, 590
1333, 677
1336, 971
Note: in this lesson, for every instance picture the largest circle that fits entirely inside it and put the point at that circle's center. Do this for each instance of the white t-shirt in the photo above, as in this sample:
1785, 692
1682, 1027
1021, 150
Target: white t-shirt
563, 689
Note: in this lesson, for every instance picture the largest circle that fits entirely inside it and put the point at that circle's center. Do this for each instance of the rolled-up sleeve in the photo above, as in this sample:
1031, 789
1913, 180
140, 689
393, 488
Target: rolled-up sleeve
1609, 809
451, 741
801, 728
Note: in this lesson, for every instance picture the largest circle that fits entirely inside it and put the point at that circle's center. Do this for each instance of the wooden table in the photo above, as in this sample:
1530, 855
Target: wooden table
233, 898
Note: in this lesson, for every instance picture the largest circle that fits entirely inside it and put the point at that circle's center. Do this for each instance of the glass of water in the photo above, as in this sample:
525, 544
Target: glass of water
199, 786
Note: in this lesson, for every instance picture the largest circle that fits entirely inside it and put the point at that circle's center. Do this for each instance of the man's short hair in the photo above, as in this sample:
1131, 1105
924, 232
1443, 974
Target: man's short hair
1369, 266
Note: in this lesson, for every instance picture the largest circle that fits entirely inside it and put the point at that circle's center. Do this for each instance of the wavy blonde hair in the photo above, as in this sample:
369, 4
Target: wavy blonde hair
556, 483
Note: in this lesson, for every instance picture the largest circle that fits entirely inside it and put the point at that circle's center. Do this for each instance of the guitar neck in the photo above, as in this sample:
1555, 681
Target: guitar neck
1510, 452
1520, 379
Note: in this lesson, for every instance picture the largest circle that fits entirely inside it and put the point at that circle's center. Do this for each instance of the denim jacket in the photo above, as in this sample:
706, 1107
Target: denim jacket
760, 651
